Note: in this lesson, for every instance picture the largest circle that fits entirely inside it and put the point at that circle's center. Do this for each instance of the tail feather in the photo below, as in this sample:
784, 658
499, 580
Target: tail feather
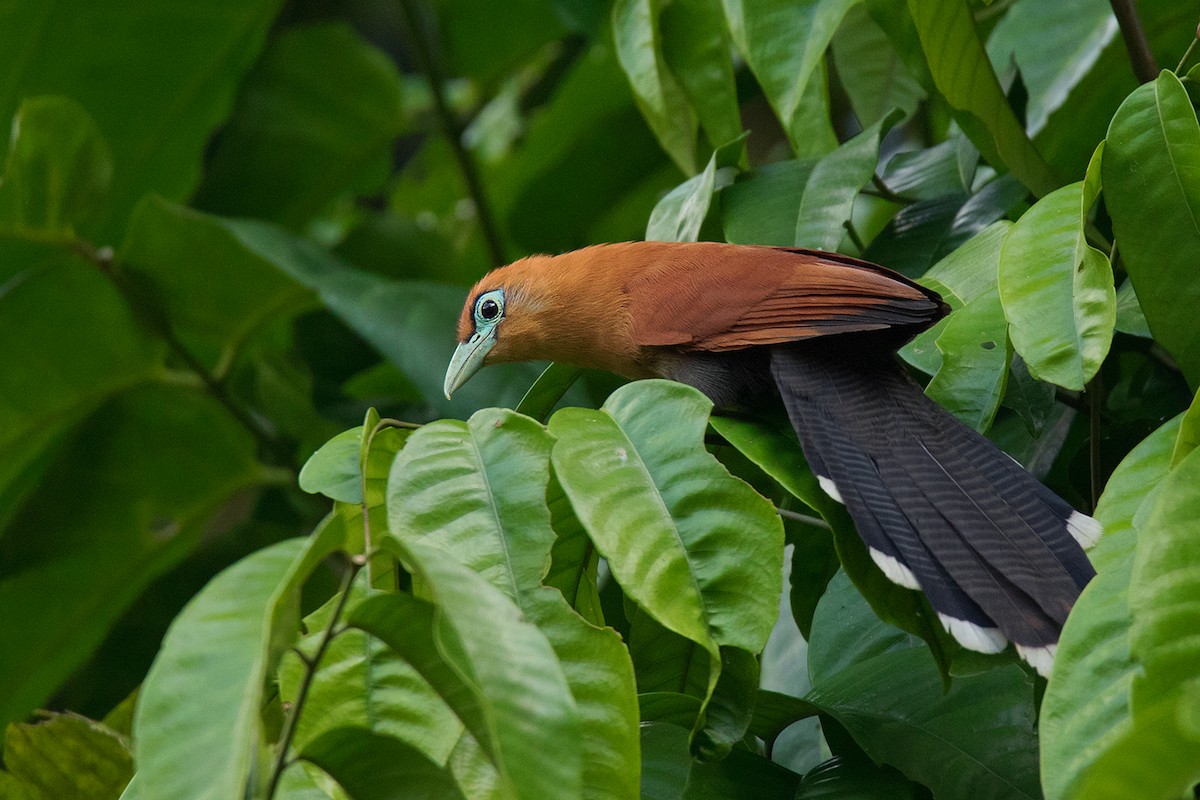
936, 503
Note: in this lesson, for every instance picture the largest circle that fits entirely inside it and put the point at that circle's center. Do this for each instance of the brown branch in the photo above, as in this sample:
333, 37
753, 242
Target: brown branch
1142, 60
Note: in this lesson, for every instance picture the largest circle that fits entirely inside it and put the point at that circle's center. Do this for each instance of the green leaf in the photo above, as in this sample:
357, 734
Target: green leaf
1086, 708
889, 695
198, 725
371, 766
660, 96
1053, 45
79, 345
761, 207
333, 470
1057, 290
696, 46
833, 185
1130, 318
574, 560
871, 71
1189, 433
839, 779
212, 289
681, 212
58, 171
669, 773
315, 118
478, 491
158, 103
638, 466
1152, 190
968, 353
784, 44
66, 756
496, 670
964, 76
107, 525
412, 323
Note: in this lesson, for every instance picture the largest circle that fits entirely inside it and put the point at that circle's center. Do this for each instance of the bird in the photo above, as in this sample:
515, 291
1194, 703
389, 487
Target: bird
999, 556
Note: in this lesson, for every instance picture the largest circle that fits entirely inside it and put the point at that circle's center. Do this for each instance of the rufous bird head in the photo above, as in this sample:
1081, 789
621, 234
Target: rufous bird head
571, 308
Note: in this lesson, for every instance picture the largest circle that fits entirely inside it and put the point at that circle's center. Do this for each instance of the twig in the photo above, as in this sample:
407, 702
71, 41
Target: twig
816, 522
887, 194
1140, 57
1187, 53
452, 129
105, 261
310, 671
854, 237
1095, 388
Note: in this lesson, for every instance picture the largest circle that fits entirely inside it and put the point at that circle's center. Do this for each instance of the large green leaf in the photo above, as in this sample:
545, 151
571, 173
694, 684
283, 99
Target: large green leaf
1086, 709
1152, 191
680, 534
695, 43
158, 103
477, 491
784, 44
213, 290
58, 171
495, 669
411, 323
315, 118
829, 194
976, 740
99, 528
762, 206
198, 727
1057, 289
669, 773
78, 344
870, 69
65, 757
681, 212
964, 76
659, 94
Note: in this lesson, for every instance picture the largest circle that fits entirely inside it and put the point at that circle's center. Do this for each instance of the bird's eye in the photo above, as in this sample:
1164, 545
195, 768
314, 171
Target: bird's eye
489, 307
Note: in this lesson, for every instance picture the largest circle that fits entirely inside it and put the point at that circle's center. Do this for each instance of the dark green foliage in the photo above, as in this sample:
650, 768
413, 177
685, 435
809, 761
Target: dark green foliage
231, 229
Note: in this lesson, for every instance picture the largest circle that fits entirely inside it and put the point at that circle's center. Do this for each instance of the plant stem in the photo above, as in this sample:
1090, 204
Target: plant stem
452, 129
1095, 387
1142, 60
310, 671
816, 522
887, 194
1187, 53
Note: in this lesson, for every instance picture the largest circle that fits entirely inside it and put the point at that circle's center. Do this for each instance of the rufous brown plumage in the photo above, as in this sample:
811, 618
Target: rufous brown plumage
940, 508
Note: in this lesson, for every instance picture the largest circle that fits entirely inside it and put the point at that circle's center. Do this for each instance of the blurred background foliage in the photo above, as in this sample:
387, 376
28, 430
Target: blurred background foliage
229, 228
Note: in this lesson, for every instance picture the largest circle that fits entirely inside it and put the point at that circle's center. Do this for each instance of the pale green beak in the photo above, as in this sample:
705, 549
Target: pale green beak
467, 360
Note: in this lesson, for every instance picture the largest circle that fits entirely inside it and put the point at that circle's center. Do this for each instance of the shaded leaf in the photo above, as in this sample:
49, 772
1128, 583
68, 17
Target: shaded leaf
65, 756
1151, 177
871, 71
669, 773
371, 766
696, 46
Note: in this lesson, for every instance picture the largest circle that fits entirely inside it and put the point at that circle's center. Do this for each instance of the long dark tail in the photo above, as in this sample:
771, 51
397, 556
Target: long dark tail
940, 508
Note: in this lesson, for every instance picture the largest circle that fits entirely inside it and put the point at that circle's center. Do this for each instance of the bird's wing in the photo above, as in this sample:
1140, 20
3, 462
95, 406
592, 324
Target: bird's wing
738, 297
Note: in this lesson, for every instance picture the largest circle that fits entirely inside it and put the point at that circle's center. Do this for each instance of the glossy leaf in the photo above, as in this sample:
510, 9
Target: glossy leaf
699, 532
1057, 290
58, 171
497, 671
669, 773
762, 206
546, 392
198, 727
315, 118
1086, 710
333, 470
870, 69
964, 76
888, 694
833, 185
784, 43
696, 46
371, 766
1152, 190
659, 94
150, 107
681, 212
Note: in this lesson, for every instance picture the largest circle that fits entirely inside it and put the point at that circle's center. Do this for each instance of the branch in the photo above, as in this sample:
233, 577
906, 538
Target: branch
452, 130
1144, 65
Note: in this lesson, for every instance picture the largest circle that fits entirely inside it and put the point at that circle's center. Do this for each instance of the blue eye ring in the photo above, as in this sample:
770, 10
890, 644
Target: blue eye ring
489, 307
